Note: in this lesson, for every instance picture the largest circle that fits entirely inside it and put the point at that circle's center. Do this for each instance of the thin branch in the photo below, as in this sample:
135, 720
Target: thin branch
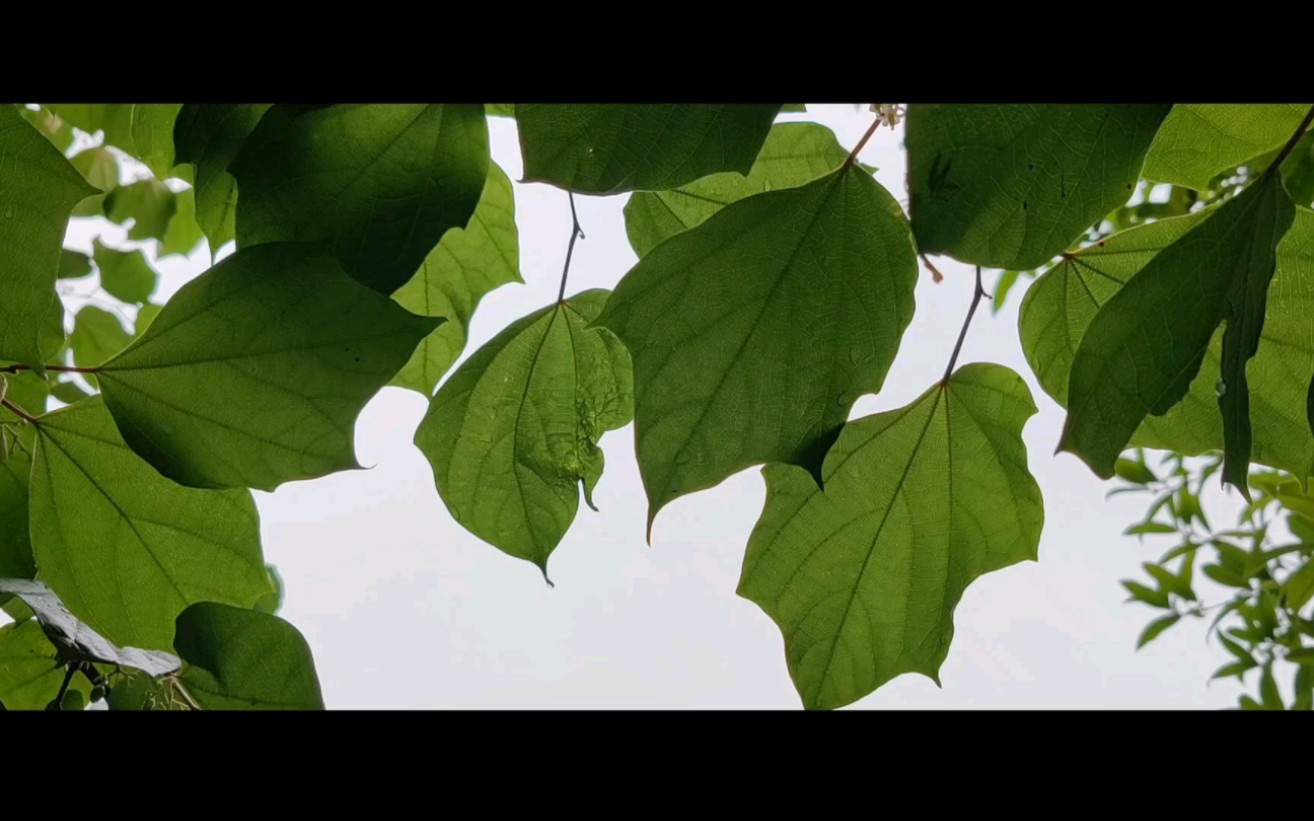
17, 411
976, 300
853, 155
575, 233
1295, 138
55, 368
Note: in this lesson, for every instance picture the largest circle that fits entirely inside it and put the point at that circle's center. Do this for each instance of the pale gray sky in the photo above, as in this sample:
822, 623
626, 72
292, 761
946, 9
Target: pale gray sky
405, 609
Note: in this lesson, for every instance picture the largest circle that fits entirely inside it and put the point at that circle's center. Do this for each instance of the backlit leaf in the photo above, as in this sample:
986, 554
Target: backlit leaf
863, 577
1198, 142
38, 189
254, 373
1146, 344
754, 333
381, 183
126, 549
466, 265
512, 435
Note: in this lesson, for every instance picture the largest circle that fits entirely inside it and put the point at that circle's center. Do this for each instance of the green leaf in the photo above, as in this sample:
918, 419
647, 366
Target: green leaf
1303, 687
466, 265
126, 549
754, 333
512, 435
184, 233
73, 265
1146, 595
1134, 472
254, 373
1148, 527
37, 195
1198, 142
208, 137
1303, 656
793, 154
51, 127
608, 149
1235, 668
1154, 628
30, 673
1268, 689
16, 560
1011, 186
97, 336
143, 130
383, 183
99, 167
1299, 586
273, 600
1148, 341
149, 203
500, 109
125, 275
863, 577
1061, 304
245, 660
1223, 576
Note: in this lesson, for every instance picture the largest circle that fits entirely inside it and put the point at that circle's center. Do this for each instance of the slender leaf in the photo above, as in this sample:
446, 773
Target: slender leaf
1156, 627
1146, 344
1060, 306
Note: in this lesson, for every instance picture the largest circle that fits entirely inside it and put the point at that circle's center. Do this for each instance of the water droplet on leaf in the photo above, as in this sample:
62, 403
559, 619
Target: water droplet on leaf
1220, 388
844, 398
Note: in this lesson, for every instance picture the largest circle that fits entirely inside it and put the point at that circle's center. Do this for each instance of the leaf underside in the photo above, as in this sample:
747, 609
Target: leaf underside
863, 577
754, 332
512, 435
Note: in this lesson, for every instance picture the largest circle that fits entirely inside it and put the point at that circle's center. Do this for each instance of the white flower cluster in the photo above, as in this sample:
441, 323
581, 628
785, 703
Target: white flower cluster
889, 113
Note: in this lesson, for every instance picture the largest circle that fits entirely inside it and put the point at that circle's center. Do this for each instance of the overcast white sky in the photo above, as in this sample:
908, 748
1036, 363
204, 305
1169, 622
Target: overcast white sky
405, 609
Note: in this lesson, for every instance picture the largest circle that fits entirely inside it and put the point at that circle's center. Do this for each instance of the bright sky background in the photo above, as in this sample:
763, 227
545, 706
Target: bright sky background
405, 609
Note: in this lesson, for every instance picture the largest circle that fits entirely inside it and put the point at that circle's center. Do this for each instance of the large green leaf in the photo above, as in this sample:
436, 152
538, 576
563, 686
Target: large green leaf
38, 189
863, 577
1010, 186
512, 435
1146, 344
208, 136
245, 660
125, 275
607, 149
754, 333
383, 183
468, 263
126, 549
1198, 142
793, 154
254, 373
